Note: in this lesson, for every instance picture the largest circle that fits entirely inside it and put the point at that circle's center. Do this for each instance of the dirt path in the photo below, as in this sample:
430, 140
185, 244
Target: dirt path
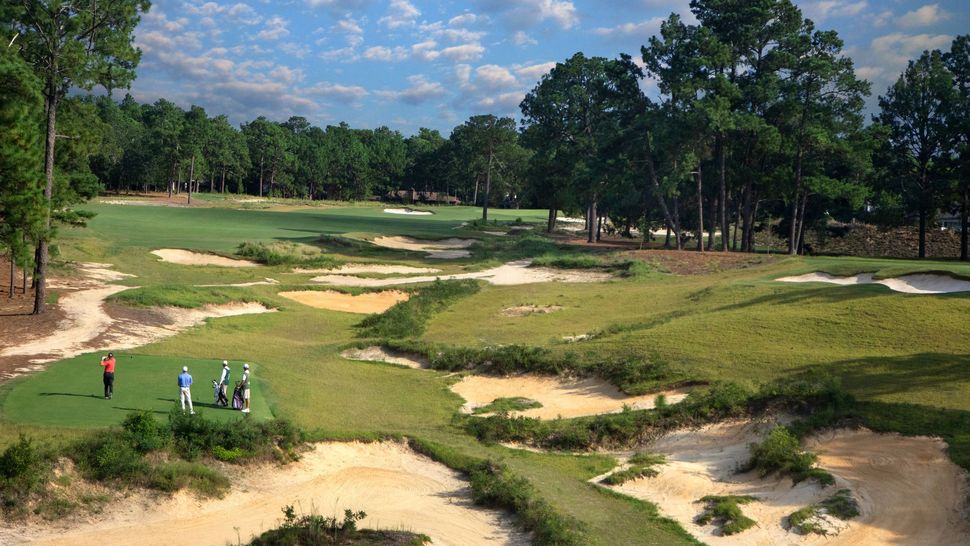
910, 493
397, 488
187, 257
559, 397
372, 302
380, 354
512, 273
923, 283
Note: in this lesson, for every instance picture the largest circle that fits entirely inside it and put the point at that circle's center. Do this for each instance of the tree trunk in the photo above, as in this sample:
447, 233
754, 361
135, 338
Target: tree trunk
191, 177
700, 210
712, 232
40, 271
922, 231
722, 207
488, 186
747, 217
679, 242
591, 238
599, 228
551, 222
475, 194
260, 176
964, 228
754, 214
667, 239
13, 273
793, 229
737, 221
171, 179
655, 183
223, 188
801, 225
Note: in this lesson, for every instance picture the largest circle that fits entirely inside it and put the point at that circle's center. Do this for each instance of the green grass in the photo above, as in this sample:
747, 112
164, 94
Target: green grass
840, 505
641, 466
516, 403
70, 393
725, 512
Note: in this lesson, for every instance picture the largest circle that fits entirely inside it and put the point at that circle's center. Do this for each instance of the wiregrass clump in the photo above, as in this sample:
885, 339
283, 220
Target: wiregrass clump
725, 512
285, 253
641, 466
319, 530
781, 453
811, 519
506, 405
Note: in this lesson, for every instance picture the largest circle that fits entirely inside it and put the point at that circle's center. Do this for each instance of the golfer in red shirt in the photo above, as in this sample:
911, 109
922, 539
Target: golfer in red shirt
108, 363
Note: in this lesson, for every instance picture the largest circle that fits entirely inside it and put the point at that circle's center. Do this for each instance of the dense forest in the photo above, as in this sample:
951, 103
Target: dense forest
758, 123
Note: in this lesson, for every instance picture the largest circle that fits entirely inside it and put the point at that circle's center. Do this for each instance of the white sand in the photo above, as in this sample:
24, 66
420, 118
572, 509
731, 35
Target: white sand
380, 354
909, 492
512, 273
445, 249
372, 302
409, 212
923, 283
397, 488
187, 257
265, 282
558, 396
383, 269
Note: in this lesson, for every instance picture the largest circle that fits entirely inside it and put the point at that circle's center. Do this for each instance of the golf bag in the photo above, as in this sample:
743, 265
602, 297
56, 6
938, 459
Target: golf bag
221, 399
237, 397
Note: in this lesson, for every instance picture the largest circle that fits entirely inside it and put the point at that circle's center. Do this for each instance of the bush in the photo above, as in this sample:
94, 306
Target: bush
781, 453
726, 512
318, 530
408, 318
143, 432
178, 475
636, 375
841, 505
641, 466
23, 470
107, 455
282, 253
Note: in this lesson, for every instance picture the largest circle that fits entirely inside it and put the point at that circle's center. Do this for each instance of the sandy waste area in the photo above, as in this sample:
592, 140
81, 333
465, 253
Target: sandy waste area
445, 249
909, 492
512, 273
187, 257
380, 354
397, 488
922, 283
525, 310
559, 397
88, 327
373, 302
380, 269
409, 212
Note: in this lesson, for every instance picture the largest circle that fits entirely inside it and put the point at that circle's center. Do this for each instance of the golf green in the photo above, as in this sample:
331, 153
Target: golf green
70, 393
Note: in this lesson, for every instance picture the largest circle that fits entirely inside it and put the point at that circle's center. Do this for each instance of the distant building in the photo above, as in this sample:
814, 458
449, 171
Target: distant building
429, 197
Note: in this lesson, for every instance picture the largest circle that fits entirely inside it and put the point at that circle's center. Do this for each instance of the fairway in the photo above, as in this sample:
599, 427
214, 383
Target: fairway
70, 393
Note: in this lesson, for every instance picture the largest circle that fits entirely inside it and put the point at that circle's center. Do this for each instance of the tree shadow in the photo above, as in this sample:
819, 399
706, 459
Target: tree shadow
71, 394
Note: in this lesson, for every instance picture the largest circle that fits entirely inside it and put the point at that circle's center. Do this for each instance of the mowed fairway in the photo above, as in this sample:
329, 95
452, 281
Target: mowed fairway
740, 325
70, 393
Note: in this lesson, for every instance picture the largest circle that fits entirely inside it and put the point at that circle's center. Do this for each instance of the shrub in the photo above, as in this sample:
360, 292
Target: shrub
841, 505
780, 453
634, 374
408, 318
283, 253
726, 512
180, 475
315, 529
23, 470
505, 405
106, 455
143, 432
641, 466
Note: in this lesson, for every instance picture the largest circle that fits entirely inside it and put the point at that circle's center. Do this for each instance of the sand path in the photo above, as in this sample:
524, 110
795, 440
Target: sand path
187, 257
558, 396
923, 283
380, 354
383, 269
512, 273
397, 488
372, 302
909, 492
445, 249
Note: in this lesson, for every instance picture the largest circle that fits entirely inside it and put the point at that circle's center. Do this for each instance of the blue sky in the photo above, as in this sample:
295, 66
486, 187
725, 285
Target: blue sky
409, 63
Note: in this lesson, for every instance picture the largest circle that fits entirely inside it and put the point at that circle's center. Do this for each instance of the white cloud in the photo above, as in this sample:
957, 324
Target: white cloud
350, 26
489, 86
823, 9
506, 103
340, 92
464, 52
275, 29
898, 48
464, 19
425, 51
520, 38
243, 13
526, 13
534, 71
881, 19
869, 72
343, 54
924, 16
295, 49
493, 76
643, 29
421, 90
400, 14
338, 6
383, 53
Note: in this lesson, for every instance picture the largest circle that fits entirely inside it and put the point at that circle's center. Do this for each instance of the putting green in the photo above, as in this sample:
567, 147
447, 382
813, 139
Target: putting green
70, 392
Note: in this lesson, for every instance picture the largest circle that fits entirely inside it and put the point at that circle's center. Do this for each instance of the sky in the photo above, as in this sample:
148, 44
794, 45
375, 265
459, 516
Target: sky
408, 64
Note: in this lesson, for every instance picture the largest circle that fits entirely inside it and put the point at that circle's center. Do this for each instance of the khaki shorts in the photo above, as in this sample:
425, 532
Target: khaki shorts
246, 394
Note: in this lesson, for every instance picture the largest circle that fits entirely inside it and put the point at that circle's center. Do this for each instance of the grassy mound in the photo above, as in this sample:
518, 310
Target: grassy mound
506, 405
641, 466
841, 505
725, 512
780, 453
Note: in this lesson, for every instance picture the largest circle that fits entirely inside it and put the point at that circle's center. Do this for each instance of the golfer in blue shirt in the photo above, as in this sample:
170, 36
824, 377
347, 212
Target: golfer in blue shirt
185, 393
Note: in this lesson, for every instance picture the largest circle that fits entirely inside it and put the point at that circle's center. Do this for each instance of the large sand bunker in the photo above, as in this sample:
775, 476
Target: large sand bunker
397, 488
410, 212
909, 492
922, 283
512, 273
88, 327
559, 397
187, 257
445, 249
373, 302
380, 354
381, 269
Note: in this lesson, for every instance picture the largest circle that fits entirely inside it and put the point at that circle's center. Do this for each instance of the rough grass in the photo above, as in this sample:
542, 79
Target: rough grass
641, 466
189, 297
725, 512
841, 505
506, 405
408, 318
285, 253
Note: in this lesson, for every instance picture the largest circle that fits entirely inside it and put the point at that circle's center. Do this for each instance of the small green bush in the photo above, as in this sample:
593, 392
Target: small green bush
229, 455
107, 455
725, 511
841, 505
781, 453
641, 466
506, 405
178, 475
143, 432
23, 470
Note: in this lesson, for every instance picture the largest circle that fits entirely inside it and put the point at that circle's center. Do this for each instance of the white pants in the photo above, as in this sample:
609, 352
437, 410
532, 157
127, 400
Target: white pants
185, 393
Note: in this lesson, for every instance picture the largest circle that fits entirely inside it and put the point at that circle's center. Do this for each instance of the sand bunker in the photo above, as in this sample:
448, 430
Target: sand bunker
382, 269
922, 283
512, 273
559, 397
909, 492
265, 282
373, 302
524, 310
409, 211
398, 489
187, 257
380, 354
445, 249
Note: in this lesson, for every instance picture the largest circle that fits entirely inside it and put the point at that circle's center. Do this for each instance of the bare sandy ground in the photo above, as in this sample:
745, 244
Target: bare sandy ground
524, 310
380, 354
397, 488
445, 249
187, 257
382, 269
88, 327
512, 273
409, 212
373, 302
910, 284
910, 493
558, 396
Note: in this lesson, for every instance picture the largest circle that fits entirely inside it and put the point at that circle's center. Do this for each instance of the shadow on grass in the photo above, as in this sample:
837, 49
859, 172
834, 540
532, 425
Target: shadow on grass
159, 412
71, 394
